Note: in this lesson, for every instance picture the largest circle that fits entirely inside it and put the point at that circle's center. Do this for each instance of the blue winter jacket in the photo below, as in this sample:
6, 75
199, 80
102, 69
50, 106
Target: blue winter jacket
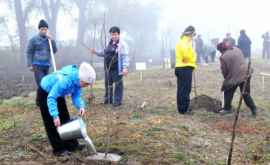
244, 43
38, 51
62, 83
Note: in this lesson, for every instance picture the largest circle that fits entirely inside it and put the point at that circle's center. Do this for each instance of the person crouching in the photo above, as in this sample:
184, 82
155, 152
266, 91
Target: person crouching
235, 72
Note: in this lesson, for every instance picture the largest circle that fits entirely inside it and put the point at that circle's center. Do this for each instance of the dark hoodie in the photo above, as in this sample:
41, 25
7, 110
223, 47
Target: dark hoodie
244, 44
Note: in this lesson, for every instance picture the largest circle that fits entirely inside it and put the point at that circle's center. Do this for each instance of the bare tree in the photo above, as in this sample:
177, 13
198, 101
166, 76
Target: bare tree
21, 18
5, 30
51, 9
83, 20
103, 32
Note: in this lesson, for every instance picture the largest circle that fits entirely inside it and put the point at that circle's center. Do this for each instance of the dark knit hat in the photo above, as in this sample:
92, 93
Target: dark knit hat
43, 24
115, 29
189, 31
242, 32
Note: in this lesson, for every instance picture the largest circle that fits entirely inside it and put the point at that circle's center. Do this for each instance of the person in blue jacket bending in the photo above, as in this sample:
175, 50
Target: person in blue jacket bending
51, 96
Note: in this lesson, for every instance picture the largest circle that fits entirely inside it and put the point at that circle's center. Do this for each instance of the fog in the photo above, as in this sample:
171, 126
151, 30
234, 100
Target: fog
151, 27
214, 18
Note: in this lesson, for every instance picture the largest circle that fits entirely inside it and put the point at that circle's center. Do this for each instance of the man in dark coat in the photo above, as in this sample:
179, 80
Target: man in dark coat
244, 43
266, 45
38, 53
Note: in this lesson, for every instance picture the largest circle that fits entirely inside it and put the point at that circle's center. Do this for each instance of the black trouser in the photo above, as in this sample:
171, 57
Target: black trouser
228, 96
266, 52
213, 56
39, 73
200, 56
113, 95
184, 85
56, 142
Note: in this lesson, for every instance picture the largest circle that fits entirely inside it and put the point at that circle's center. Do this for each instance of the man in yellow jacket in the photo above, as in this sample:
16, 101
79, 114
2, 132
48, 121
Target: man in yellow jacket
185, 64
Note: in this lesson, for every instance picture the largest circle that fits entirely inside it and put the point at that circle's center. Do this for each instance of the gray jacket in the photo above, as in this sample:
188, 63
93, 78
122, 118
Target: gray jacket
234, 68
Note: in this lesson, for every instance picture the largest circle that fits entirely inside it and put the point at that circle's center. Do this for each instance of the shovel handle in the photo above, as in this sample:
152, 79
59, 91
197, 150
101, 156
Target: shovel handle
52, 55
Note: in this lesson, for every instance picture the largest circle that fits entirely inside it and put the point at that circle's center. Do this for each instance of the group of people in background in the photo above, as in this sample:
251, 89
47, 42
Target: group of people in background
206, 52
234, 68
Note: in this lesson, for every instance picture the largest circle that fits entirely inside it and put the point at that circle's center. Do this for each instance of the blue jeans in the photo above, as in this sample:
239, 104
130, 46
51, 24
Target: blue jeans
200, 56
39, 73
113, 95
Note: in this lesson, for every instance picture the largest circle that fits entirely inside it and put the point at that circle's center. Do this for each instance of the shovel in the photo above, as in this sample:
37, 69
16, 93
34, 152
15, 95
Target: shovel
52, 55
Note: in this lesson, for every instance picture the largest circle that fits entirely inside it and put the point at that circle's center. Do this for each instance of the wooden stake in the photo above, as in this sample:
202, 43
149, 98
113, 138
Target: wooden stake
229, 160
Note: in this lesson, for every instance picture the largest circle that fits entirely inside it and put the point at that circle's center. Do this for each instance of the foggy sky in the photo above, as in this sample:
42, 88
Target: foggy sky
211, 18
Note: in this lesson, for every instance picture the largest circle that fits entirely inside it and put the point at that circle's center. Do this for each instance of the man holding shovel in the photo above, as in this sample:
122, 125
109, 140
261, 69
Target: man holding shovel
235, 72
116, 64
51, 96
38, 52
185, 64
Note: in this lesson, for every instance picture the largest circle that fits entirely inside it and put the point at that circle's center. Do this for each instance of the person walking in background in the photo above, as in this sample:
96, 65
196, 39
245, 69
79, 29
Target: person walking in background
266, 46
229, 39
199, 47
185, 64
213, 49
244, 44
38, 53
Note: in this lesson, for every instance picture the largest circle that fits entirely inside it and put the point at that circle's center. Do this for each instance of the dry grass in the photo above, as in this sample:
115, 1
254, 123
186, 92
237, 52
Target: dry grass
155, 134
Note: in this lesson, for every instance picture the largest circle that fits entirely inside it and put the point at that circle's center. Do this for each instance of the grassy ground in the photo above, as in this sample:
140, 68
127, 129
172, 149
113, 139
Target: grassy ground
155, 134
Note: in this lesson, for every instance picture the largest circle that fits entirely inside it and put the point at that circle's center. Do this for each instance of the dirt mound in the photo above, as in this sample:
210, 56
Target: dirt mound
205, 102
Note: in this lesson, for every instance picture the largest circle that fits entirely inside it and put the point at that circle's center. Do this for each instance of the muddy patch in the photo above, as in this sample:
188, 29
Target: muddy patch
204, 102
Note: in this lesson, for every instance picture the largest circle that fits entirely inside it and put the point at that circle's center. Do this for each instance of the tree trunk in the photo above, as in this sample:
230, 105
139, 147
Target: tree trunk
51, 13
82, 6
21, 27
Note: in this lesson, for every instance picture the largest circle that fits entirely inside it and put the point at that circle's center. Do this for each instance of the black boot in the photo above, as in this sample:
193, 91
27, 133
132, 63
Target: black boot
79, 147
254, 112
225, 111
62, 153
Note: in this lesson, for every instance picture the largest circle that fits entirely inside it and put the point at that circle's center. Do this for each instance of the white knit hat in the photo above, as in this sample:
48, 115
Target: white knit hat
87, 73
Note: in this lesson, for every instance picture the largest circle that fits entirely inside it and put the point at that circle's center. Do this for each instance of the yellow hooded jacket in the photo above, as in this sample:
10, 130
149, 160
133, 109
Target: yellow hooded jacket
184, 53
